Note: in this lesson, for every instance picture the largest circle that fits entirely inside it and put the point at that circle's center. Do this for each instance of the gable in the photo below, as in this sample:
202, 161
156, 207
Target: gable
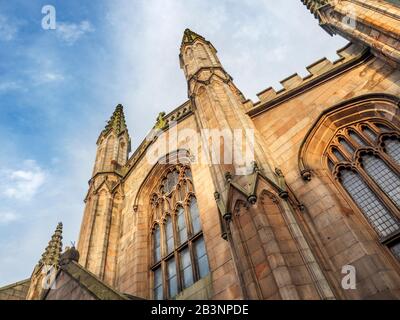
73, 282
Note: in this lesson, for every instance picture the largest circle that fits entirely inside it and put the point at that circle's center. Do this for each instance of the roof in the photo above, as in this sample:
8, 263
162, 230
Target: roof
89, 283
15, 291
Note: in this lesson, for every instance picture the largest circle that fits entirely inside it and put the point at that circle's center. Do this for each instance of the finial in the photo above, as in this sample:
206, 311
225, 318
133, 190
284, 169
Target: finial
117, 121
160, 122
189, 36
53, 250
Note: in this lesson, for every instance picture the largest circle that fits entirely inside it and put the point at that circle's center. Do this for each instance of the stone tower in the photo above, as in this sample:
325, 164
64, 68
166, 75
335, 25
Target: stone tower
113, 144
249, 192
373, 23
98, 236
220, 105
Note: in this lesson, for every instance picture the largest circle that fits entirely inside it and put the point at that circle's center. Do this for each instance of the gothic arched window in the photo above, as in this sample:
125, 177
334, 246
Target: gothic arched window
179, 257
364, 158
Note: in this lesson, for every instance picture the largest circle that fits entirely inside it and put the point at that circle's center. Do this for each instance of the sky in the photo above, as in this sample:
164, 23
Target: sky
59, 87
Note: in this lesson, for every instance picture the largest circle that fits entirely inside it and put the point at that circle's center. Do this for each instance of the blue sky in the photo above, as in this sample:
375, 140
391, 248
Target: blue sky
59, 87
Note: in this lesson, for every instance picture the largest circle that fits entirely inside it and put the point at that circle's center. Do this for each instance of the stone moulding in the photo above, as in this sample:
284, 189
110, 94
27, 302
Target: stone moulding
156, 170
305, 167
226, 204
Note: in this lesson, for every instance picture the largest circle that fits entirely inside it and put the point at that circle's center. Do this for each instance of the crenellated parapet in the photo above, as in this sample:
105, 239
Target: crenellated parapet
319, 72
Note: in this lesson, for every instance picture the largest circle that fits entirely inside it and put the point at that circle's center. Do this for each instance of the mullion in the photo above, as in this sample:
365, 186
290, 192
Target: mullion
181, 250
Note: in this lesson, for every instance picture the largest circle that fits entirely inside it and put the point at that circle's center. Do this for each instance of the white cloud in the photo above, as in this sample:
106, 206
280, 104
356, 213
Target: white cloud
7, 217
48, 77
9, 86
259, 44
72, 32
8, 29
23, 183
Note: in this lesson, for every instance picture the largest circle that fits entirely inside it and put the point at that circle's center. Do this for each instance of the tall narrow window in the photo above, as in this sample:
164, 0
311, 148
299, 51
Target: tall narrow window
169, 235
158, 284
172, 278
194, 214
201, 257
357, 139
339, 156
346, 146
369, 133
180, 257
186, 268
182, 231
371, 177
157, 244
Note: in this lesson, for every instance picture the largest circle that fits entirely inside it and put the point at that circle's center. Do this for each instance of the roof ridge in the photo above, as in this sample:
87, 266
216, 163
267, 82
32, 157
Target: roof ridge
8, 286
68, 268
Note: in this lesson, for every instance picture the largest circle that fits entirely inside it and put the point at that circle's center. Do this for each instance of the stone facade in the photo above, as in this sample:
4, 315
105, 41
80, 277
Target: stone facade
281, 226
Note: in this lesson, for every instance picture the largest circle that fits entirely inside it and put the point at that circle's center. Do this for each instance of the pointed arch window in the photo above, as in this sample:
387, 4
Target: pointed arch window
179, 252
369, 173
181, 225
169, 235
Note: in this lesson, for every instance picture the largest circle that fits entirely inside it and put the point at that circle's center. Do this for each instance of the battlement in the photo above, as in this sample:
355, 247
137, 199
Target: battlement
317, 70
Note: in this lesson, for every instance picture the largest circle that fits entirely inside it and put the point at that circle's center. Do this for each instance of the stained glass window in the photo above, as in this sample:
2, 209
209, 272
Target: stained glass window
180, 257
371, 176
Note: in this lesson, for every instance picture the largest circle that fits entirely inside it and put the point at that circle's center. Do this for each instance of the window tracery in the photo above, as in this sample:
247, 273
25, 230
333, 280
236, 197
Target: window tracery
179, 257
364, 158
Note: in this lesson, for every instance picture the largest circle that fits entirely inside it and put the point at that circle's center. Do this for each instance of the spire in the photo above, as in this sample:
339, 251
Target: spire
314, 5
189, 37
116, 122
53, 250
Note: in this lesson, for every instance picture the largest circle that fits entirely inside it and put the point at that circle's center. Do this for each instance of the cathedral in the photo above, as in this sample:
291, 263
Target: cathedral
295, 196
